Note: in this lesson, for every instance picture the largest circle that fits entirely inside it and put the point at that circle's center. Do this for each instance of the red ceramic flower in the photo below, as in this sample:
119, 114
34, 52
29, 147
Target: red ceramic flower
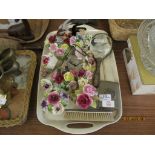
89, 75
84, 101
53, 98
45, 60
52, 39
66, 41
81, 73
57, 77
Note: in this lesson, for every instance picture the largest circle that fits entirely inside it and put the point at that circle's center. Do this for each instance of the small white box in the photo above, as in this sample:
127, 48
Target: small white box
108, 104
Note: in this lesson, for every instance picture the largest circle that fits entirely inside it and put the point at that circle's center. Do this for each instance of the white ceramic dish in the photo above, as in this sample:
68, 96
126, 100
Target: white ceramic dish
108, 73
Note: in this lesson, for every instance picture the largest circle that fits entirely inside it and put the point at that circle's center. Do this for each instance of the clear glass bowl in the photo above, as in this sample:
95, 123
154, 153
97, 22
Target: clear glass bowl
146, 40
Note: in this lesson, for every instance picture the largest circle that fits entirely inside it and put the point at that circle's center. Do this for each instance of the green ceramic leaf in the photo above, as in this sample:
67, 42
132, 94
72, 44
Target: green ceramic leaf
45, 94
49, 107
94, 105
63, 102
78, 91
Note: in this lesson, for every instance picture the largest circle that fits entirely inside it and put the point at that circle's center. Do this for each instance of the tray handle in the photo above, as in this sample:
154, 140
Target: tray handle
75, 127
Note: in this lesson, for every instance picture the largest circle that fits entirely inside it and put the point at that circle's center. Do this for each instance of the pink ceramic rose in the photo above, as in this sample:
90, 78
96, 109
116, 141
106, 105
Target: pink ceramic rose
89, 75
89, 90
59, 52
84, 101
72, 40
53, 47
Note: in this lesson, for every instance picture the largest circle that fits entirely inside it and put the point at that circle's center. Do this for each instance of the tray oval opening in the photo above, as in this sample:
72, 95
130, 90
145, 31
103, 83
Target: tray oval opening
80, 125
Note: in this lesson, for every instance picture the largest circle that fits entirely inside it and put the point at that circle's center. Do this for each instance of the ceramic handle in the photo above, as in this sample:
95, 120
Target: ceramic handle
96, 80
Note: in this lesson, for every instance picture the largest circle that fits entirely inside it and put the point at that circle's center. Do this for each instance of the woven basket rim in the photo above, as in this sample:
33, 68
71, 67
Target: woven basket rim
113, 21
120, 33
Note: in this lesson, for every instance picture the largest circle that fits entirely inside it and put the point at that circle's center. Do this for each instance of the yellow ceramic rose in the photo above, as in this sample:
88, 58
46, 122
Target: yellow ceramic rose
88, 67
64, 46
68, 76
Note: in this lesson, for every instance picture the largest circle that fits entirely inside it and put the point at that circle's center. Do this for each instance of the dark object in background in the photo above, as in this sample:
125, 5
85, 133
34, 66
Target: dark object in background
65, 26
76, 29
84, 21
78, 22
21, 31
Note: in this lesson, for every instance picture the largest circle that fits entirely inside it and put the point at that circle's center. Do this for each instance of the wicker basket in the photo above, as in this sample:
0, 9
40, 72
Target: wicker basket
38, 27
9, 43
25, 92
121, 28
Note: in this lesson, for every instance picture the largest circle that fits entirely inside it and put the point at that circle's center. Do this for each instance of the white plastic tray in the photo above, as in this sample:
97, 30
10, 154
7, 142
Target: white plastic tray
108, 73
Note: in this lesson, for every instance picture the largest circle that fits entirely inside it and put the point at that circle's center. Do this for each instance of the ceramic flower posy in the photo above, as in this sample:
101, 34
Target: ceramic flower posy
63, 85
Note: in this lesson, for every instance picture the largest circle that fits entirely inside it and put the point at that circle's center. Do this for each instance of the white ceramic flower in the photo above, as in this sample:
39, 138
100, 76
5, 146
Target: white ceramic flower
82, 81
46, 84
3, 99
58, 109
